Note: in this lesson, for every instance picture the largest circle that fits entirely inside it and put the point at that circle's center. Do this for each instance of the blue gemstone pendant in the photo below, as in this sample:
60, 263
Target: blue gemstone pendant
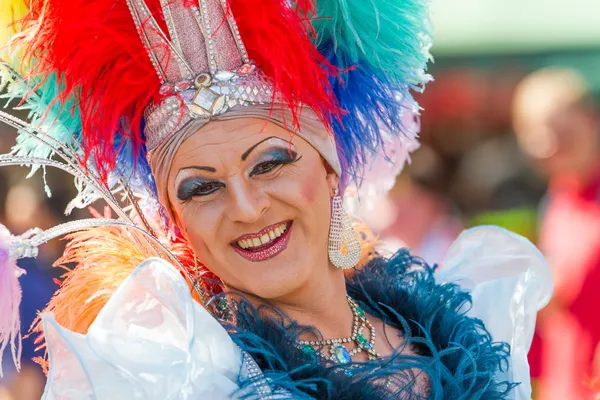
341, 354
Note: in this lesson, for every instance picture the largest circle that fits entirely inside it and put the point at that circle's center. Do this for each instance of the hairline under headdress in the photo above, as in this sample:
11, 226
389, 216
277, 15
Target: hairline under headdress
311, 129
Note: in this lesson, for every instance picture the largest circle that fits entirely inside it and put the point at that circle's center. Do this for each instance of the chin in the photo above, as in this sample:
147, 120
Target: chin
274, 268
273, 279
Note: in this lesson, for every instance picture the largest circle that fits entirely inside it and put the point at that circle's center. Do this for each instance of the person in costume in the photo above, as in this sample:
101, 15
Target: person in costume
561, 134
224, 135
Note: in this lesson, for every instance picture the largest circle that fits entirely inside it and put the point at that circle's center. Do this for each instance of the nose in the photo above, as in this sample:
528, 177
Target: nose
248, 202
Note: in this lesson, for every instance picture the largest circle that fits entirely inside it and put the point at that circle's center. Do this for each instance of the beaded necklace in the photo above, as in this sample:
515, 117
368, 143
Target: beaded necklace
334, 350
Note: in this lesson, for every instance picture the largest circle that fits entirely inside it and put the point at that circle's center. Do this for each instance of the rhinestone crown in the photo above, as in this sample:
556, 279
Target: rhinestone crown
202, 64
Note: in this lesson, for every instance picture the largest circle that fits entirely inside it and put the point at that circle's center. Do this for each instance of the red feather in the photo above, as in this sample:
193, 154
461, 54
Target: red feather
94, 47
277, 38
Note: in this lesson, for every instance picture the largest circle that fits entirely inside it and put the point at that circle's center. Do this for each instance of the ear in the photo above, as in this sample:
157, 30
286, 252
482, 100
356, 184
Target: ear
333, 180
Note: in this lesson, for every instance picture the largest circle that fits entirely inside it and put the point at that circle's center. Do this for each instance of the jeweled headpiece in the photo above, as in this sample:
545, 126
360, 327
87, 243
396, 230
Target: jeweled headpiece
202, 63
127, 83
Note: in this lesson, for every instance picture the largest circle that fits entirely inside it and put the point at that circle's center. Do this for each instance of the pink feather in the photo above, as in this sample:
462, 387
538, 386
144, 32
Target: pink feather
10, 299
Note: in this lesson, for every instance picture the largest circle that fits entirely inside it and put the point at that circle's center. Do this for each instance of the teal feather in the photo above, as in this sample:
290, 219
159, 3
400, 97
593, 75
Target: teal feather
46, 113
61, 120
383, 46
391, 37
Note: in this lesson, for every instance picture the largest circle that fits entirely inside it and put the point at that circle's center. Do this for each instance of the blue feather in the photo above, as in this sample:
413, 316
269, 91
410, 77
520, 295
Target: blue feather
132, 167
371, 104
384, 47
453, 350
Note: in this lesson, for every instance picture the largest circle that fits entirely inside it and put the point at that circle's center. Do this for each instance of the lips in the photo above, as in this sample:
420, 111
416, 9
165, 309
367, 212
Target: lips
265, 244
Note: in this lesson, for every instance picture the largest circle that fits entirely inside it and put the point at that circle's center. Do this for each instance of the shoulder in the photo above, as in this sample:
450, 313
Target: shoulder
406, 284
454, 347
487, 294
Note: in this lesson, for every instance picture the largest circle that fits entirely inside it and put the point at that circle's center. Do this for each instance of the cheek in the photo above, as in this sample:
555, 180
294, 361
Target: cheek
316, 202
308, 190
199, 227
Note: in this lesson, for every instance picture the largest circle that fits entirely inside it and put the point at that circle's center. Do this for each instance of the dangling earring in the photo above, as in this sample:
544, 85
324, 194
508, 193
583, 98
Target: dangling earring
344, 248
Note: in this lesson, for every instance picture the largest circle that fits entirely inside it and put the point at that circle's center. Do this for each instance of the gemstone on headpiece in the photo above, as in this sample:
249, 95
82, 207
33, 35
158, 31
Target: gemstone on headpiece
183, 85
246, 69
224, 75
203, 80
166, 89
206, 99
188, 96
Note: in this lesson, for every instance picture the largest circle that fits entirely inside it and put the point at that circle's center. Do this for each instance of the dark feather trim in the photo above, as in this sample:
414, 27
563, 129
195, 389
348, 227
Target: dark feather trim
454, 351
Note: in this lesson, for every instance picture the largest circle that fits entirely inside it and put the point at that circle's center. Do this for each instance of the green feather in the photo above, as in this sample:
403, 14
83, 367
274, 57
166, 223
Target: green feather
392, 37
61, 120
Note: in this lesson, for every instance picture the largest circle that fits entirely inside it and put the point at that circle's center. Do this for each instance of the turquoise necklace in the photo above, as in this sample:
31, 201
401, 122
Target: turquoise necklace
334, 350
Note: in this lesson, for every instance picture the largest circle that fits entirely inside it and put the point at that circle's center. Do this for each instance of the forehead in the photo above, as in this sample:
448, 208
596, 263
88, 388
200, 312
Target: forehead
222, 138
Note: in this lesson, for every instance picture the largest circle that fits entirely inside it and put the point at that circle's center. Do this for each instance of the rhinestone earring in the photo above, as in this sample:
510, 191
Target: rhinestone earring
344, 248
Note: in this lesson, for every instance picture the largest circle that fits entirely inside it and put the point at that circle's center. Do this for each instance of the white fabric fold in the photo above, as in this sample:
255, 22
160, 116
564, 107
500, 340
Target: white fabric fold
150, 341
509, 281
153, 341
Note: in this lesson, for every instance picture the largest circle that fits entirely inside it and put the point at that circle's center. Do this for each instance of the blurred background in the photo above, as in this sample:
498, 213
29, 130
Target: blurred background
510, 136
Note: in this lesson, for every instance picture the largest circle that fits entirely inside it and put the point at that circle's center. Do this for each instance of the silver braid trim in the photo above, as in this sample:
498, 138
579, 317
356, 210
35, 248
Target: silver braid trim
27, 245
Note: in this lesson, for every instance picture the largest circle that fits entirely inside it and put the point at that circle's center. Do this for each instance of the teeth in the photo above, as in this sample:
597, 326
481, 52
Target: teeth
264, 239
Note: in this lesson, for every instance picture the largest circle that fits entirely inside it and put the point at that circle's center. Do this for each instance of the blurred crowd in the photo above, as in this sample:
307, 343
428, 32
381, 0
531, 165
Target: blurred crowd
23, 205
503, 143
519, 149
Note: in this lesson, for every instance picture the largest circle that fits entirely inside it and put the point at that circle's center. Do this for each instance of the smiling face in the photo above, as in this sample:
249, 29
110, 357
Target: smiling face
254, 207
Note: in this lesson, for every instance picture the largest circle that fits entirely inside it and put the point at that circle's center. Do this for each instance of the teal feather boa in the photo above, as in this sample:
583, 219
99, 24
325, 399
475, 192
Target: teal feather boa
454, 351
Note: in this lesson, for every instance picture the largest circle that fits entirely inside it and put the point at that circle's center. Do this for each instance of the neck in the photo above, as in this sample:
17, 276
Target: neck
320, 303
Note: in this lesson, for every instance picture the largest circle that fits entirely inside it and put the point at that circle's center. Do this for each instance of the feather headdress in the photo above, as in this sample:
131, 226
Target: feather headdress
89, 71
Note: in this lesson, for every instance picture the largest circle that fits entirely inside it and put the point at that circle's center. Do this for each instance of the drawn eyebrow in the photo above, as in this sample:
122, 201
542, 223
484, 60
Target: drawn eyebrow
247, 152
244, 156
202, 168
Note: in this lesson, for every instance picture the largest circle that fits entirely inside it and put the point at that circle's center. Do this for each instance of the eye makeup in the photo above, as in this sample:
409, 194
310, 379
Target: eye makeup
272, 158
280, 152
196, 186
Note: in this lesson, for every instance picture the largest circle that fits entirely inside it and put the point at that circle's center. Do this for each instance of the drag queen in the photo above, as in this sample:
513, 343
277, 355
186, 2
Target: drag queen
224, 134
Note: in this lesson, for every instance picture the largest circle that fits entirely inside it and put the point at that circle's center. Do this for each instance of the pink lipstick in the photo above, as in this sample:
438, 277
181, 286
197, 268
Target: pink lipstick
265, 244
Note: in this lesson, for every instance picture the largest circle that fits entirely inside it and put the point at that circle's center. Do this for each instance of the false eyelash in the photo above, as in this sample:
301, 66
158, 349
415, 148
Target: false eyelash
287, 160
186, 192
